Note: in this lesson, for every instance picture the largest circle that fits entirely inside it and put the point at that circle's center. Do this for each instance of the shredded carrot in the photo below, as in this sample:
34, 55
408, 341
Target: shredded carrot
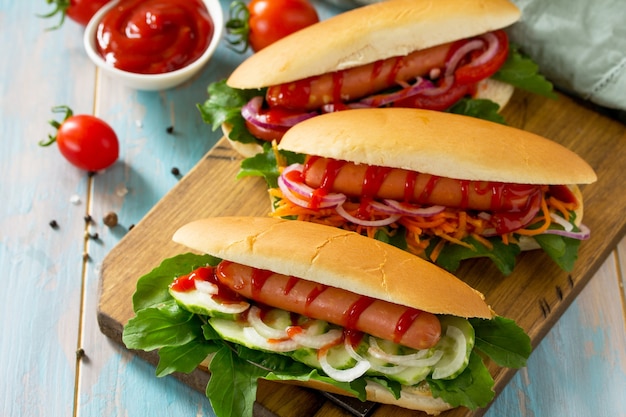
437, 250
485, 242
451, 226
546, 222
562, 207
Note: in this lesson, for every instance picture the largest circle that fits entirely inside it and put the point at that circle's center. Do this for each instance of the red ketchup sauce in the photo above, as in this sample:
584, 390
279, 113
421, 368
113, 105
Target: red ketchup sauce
186, 283
154, 36
514, 204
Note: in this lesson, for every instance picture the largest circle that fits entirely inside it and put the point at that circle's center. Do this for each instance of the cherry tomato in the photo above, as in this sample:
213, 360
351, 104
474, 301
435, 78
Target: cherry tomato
263, 22
80, 11
86, 141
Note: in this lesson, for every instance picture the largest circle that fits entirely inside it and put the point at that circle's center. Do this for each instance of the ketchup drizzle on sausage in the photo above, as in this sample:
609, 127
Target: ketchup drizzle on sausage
259, 276
354, 312
186, 283
404, 323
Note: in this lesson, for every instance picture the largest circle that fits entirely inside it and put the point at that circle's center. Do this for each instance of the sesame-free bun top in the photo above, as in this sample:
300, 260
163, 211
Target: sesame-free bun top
438, 143
370, 33
337, 258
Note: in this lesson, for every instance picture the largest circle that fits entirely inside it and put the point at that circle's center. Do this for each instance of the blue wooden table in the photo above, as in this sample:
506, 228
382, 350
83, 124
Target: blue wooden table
53, 359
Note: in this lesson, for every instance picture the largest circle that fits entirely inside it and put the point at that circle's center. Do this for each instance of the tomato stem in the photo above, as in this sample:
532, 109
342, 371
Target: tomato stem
57, 109
238, 27
61, 7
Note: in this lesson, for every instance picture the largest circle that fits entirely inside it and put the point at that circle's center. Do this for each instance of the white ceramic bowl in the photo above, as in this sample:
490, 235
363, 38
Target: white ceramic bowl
153, 82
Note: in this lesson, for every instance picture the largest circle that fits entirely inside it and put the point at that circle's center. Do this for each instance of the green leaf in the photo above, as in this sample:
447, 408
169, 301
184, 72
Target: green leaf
356, 387
472, 389
503, 341
166, 325
233, 384
563, 250
264, 164
478, 108
397, 238
224, 106
521, 72
152, 288
184, 358
503, 256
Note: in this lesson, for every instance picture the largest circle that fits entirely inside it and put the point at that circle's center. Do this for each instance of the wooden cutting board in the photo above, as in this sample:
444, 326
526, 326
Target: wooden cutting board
535, 295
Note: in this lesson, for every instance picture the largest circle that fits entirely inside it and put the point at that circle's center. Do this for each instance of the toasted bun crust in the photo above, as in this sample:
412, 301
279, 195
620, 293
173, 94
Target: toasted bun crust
438, 143
414, 398
337, 258
370, 33
496, 91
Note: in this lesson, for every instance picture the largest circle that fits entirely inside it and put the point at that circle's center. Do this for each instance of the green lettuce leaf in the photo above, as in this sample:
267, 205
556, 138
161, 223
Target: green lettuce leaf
503, 341
156, 327
503, 256
184, 358
233, 384
522, 72
472, 389
152, 289
478, 108
224, 106
264, 164
562, 250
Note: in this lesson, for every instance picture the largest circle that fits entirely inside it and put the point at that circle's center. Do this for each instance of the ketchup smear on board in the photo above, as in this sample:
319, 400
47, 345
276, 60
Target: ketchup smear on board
154, 36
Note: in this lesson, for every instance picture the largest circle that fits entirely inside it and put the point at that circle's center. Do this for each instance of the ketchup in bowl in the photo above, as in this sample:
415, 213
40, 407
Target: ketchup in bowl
154, 36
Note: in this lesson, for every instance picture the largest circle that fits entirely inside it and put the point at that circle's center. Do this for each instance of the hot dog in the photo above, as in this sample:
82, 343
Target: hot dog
407, 326
390, 54
335, 311
438, 180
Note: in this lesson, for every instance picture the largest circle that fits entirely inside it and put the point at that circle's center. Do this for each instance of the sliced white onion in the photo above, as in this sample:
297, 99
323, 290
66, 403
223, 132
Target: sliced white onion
267, 343
307, 338
419, 358
408, 209
342, 375
368, 223
254, 318
387, 370
560, 220
206, 287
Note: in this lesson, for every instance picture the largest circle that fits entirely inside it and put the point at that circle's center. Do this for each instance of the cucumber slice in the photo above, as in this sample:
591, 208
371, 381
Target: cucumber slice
199, 302
457, 344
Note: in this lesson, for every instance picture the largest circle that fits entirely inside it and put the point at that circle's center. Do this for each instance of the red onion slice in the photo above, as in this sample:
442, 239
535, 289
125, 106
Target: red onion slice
411, 210
492, 48
301, 194
251, 111
368, 223
460, 53
379, 100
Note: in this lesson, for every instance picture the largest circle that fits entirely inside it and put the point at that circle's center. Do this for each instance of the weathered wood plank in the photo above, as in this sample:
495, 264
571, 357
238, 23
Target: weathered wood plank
40, 298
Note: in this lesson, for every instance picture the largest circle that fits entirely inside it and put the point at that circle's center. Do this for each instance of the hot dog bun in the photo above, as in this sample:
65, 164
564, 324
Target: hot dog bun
496, 91
417, 397
370, 33
440, 144
337, 258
